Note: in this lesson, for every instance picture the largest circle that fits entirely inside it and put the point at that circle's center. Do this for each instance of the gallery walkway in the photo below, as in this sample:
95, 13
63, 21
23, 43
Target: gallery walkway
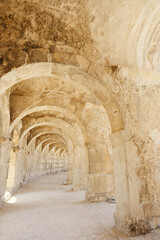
45, 209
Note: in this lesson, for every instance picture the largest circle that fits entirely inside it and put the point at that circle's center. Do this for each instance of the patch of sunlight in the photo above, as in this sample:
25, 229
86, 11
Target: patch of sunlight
8, 198
12, 200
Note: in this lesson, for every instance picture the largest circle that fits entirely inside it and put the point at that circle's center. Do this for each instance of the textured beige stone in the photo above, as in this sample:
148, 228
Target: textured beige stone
79, 93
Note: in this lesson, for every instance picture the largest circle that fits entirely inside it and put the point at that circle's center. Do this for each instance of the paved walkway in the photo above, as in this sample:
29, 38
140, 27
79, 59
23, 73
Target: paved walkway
47, 210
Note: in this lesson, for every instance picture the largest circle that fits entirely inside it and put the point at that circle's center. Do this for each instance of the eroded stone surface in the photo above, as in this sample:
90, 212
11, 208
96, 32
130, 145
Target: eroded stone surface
79, 92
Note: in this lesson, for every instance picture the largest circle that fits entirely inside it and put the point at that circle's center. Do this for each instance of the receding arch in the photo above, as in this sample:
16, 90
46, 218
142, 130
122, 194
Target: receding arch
56, 138
84, 158
51, 142
36, 132
65, 72
54, 92
48, 108
42, 146
48, 142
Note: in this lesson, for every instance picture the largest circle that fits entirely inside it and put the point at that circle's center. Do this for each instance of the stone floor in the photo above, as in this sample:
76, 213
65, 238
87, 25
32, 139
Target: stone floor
48, 210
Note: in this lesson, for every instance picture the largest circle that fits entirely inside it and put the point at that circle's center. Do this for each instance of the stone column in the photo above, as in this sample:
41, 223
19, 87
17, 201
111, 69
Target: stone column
20, 168
100, 185
100, 180
38, 159
129, 214
4, 160
44, 160
12, 170
65, 156
5, 144
70, 168
57, 156
136, 154
49, 163
40, 165
16, 169
136, 184
52, 160
64, 160
80, 168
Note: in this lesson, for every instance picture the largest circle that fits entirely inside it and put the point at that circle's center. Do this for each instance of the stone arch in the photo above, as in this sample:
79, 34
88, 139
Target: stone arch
55, 164
62, 160
65, 72
41, 131
47, 108
52, 127
50, 141
54, 137
81, 77
84, 153
44, 143
146, 34
67, 94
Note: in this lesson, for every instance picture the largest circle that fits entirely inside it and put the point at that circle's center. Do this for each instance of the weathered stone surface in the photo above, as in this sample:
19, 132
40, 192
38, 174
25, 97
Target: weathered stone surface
79, 92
